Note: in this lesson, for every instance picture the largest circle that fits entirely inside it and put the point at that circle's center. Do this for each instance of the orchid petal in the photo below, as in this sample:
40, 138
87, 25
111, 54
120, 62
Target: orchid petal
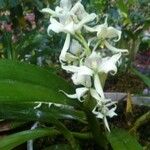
65, 48
73, 69
66, 4
93, 61
90, 29
55, 26
98, 85
69, 28
83, 70
115, 50
81, 92
109, 64
72, 96
106, 124
102, 31
69, 57
79, 11
81, 79
49, 11
58, 10
113, 33
86, 19
98, 114
111, 112
75, 47
95, 95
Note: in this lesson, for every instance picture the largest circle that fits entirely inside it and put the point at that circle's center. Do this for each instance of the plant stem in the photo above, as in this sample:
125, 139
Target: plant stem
97, 132
82, 41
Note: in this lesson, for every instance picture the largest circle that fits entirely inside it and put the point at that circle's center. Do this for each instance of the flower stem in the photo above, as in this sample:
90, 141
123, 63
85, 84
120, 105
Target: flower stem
82, 41
97, 132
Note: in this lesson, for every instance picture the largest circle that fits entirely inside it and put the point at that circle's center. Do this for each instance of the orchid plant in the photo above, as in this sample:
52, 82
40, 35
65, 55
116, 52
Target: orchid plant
86, 57
80, 112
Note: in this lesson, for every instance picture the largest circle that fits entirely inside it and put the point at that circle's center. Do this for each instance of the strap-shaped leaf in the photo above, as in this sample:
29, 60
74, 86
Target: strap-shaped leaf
144, 78
122, 140
67, 134
26, 112
32, 74
25, 82
11, 141
14, 140
19, 91
10, 125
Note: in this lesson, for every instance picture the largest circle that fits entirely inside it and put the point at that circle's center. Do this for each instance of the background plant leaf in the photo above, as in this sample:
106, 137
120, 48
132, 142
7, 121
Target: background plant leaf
122, 140
144, 78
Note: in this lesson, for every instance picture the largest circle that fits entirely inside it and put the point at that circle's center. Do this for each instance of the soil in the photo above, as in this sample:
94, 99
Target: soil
124, 82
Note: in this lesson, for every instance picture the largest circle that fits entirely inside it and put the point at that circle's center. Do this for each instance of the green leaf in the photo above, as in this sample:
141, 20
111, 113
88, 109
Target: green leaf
122, 140
10, 125
144, 78
67, 134
11, 141
20, 82
18, 91
22, 111
61, 128
32, 74
122, 6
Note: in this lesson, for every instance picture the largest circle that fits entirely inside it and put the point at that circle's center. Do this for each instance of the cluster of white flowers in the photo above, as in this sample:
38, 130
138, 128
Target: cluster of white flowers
83, 59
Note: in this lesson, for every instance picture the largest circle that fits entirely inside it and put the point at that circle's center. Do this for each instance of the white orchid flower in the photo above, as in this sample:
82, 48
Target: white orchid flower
101, 65
75, 48
84, 80
104, 32
80, 93
102, 111
81, 70
65, 48
74, 54
70, 20
94, 65
62, 10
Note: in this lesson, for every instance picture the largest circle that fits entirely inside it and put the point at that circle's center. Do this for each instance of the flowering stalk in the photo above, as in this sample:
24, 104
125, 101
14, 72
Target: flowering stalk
80, 38
97, 131
87, 61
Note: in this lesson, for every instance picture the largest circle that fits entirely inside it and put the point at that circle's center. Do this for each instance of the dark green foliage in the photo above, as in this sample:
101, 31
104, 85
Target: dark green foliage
121, 140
